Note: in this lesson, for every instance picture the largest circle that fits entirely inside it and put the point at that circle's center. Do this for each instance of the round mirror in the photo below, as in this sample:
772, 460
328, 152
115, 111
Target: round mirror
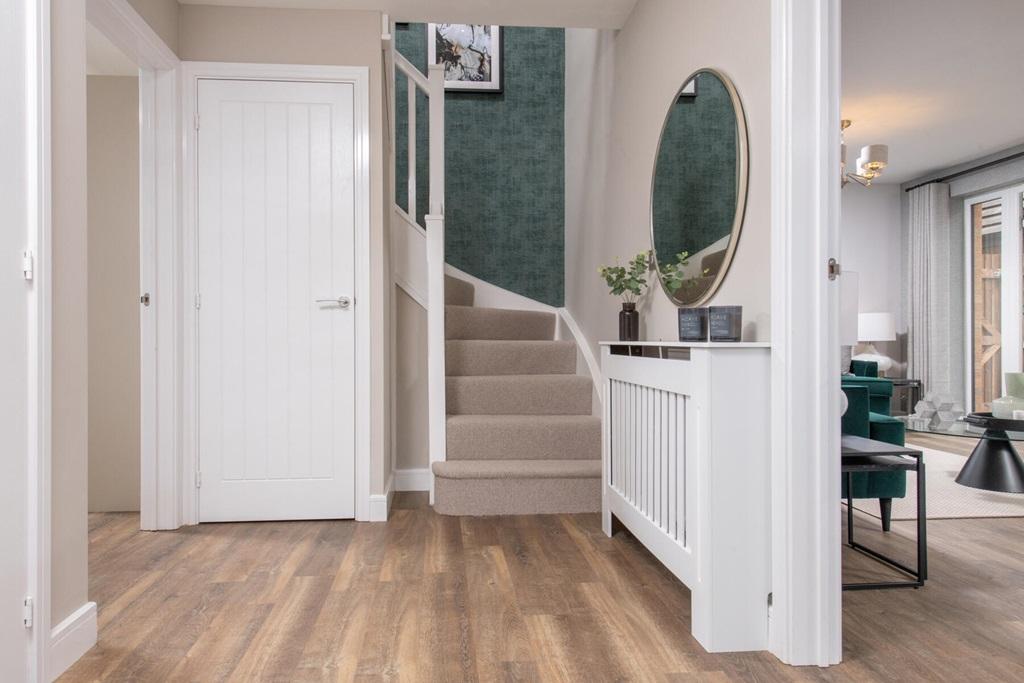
699, 190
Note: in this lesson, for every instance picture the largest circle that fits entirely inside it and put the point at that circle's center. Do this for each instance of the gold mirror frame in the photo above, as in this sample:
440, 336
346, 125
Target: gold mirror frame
742, 170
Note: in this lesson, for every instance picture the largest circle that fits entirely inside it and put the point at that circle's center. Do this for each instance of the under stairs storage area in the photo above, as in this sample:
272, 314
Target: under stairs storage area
521, 437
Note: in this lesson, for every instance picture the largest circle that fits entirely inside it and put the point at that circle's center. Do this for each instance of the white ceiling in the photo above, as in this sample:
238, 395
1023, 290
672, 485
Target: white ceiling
940, 81
575, 13
103, 59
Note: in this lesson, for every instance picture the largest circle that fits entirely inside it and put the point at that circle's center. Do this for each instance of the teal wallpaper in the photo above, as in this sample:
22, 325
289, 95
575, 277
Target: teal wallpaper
504, 164
694, 199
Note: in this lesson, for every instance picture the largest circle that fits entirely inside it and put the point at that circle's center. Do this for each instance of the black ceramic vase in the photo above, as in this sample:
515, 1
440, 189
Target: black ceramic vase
629, 322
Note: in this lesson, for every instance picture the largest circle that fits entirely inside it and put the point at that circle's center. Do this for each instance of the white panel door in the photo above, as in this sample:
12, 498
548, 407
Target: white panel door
276, 218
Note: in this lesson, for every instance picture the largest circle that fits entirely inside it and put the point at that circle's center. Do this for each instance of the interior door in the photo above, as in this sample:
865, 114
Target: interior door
276, 218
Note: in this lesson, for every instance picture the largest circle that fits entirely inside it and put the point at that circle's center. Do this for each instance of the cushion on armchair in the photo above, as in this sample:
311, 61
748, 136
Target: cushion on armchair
864, 368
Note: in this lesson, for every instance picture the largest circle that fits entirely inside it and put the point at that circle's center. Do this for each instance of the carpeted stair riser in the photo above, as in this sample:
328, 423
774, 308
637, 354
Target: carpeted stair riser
458, 292
519, 395
523, 437
479, 497
504, 357
517, 487
469, 322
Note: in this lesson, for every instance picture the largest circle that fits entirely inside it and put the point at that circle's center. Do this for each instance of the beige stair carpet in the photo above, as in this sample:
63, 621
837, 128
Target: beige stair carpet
521, 436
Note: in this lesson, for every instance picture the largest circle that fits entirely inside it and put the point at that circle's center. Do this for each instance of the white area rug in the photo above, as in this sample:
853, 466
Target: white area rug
944, 498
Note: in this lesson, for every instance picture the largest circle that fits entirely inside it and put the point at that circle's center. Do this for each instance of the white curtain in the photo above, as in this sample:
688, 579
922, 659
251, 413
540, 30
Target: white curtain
933, 298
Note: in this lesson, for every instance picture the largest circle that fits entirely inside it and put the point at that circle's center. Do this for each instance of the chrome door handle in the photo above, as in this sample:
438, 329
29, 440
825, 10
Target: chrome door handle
340, 302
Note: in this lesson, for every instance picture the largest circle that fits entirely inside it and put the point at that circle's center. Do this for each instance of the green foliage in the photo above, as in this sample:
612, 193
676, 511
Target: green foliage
628, 282
672, 273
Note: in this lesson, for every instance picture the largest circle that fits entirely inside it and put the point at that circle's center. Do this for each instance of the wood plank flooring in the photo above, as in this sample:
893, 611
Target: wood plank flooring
432, 598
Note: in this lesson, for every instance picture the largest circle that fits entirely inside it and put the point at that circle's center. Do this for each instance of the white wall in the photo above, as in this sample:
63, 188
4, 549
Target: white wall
69, 580
113, 147
611, 139
870, 233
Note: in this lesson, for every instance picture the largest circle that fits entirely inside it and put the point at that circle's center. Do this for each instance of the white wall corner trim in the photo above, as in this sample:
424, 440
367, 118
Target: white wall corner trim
805, 621
130, 33
415, 479
380, 503
70, 639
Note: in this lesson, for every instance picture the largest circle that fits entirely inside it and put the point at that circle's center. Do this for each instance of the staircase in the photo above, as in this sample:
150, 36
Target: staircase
520, 435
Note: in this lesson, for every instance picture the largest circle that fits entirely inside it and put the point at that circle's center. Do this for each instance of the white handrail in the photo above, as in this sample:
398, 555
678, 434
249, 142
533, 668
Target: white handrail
411, 72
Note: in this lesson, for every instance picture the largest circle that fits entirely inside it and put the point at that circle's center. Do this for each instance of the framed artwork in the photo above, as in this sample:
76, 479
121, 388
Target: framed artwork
470, 54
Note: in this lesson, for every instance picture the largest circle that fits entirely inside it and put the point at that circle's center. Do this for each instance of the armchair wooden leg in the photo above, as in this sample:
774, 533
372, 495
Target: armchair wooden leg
886, 505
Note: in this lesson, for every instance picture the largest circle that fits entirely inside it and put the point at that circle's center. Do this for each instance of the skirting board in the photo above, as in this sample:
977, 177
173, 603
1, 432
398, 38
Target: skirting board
380, 503
412, 479
70, 639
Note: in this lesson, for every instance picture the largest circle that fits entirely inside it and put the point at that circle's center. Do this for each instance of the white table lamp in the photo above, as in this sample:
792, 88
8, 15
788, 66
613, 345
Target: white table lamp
876, 327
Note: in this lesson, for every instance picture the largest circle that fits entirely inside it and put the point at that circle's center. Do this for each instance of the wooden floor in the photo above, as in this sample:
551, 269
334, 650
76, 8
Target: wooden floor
432, 598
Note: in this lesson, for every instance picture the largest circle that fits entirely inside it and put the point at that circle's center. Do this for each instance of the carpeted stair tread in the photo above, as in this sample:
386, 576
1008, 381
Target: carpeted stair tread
518, 469
472, 322
519, 395
458, 292
509, 357
524, 437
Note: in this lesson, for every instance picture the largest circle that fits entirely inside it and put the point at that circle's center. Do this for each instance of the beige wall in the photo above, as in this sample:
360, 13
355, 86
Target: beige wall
349, 38
69, 579
162, 17
411, 427
113, 146
608, 203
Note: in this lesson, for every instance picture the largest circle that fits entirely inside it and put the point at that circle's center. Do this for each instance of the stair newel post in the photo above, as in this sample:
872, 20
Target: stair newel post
437, 412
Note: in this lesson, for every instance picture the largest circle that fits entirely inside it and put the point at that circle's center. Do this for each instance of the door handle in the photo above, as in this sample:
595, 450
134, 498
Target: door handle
340, 302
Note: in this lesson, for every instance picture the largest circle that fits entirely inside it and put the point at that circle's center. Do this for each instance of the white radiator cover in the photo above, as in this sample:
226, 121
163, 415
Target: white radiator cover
686, 469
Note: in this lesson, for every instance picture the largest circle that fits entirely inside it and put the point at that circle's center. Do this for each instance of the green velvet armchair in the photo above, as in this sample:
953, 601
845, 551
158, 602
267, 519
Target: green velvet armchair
867, 415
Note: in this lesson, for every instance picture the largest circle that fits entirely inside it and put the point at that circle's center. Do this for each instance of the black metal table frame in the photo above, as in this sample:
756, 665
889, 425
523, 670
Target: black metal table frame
919, 575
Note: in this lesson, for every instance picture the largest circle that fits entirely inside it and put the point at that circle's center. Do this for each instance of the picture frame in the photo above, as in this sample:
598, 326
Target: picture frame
471, 54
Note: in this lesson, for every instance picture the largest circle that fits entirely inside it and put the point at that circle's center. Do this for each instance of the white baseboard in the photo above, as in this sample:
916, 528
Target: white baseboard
412, 479
70, 639
380, 503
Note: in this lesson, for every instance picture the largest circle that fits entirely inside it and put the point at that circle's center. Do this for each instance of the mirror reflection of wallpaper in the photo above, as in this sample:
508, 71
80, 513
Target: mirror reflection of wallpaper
694, 195
504, 164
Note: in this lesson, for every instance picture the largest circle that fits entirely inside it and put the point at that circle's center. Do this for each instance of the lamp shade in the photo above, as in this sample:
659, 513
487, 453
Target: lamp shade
873, 157
872, 327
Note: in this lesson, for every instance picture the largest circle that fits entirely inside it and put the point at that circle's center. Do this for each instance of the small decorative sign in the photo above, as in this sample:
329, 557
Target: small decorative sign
693, 324
725, 323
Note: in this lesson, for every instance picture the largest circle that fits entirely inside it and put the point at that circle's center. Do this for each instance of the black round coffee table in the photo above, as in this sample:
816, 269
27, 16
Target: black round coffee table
994, 464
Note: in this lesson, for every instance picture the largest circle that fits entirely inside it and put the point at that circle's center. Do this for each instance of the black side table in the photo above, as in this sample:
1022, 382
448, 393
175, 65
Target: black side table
906, 394
994, 464
867, 455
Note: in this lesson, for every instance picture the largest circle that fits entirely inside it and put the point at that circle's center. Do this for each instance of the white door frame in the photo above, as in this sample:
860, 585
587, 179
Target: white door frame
359, 77
159, 243
26, 54
805, 617
1011, 267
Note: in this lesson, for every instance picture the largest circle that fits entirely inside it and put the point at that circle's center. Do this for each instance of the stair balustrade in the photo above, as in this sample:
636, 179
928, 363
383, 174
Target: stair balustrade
417, 244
